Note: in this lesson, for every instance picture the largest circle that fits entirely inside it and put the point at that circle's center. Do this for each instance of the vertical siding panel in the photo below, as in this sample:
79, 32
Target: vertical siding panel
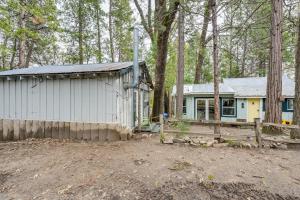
72, 100
43, 100
1, 99
18, 99
50, 100
64, 100
35, 99
6, 99
85, 100
101, 99
93, 100
24, 96
12, 99
56, 103
77, 100
30, 96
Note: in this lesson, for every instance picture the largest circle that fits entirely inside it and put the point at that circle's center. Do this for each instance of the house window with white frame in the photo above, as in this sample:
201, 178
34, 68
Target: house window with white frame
290, 104
228, 107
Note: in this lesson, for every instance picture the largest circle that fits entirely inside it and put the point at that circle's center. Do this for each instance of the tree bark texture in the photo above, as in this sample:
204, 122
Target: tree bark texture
296, 120
110, 30
274, 83
216, 67
80, 31
99, 53
165, 18
180, 65
202, 44
22, 39
29, 53
12, 60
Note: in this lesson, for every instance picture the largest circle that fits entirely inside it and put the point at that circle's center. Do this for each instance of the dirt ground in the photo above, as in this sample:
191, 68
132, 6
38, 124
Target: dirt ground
145, 169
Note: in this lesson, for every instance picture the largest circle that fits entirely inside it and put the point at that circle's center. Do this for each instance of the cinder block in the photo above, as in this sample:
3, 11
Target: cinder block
66, 134
35, 129
28, 133
1, 129
16, 129
41, 129
48, 129
102, 132
55, 130
22, 130
61, 127
79, 131
73, 129
94, 132
86, 131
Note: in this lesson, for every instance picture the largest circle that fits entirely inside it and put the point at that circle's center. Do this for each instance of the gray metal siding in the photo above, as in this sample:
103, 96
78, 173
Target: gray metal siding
100, 99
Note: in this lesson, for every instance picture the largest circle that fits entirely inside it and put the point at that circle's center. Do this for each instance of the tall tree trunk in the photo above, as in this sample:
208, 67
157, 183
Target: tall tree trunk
12, 60
180, 65
99, 53
244, 55
29, 53
80, 30
216, 67
3, 56
202, 45
22, 38
110, 29
296, 120
274, 85
166, 19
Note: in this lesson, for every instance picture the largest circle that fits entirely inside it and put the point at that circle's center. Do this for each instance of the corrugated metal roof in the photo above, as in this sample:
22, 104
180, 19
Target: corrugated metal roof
67, 69
204, 89
241, 87
257, 86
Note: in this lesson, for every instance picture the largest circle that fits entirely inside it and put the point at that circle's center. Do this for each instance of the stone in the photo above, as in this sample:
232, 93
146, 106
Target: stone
177, 140
168, 140
221, 145
210, 143
123, 136
145, 136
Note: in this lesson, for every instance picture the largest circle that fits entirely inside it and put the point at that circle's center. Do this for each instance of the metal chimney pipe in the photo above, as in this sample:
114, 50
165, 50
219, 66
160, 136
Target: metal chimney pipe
136, 70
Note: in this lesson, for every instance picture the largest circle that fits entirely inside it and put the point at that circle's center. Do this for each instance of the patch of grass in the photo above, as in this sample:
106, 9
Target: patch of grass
180, 165
210, 177
182, 127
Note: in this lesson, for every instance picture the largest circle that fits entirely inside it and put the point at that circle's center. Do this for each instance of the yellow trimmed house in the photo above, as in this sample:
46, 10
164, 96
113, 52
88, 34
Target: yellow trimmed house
241, 99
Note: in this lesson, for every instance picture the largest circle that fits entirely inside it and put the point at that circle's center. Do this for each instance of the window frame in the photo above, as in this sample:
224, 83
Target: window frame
288, 104
232, 107
184, 106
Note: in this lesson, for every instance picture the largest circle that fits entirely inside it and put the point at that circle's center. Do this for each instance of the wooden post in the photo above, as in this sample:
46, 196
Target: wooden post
139, 110
258, 132
161, 121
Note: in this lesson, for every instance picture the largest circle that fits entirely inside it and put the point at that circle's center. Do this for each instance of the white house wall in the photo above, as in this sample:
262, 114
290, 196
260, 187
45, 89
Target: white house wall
100, 99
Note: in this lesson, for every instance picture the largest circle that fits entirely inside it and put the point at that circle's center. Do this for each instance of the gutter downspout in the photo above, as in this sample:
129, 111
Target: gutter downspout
136, 72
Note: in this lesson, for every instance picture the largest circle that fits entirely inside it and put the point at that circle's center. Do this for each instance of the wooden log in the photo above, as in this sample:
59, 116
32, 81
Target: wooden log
208, 134
258, 132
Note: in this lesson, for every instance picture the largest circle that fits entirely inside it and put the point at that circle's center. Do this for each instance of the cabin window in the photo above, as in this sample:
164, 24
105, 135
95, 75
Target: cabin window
243, 105
184, 106
228, 107
290, 104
